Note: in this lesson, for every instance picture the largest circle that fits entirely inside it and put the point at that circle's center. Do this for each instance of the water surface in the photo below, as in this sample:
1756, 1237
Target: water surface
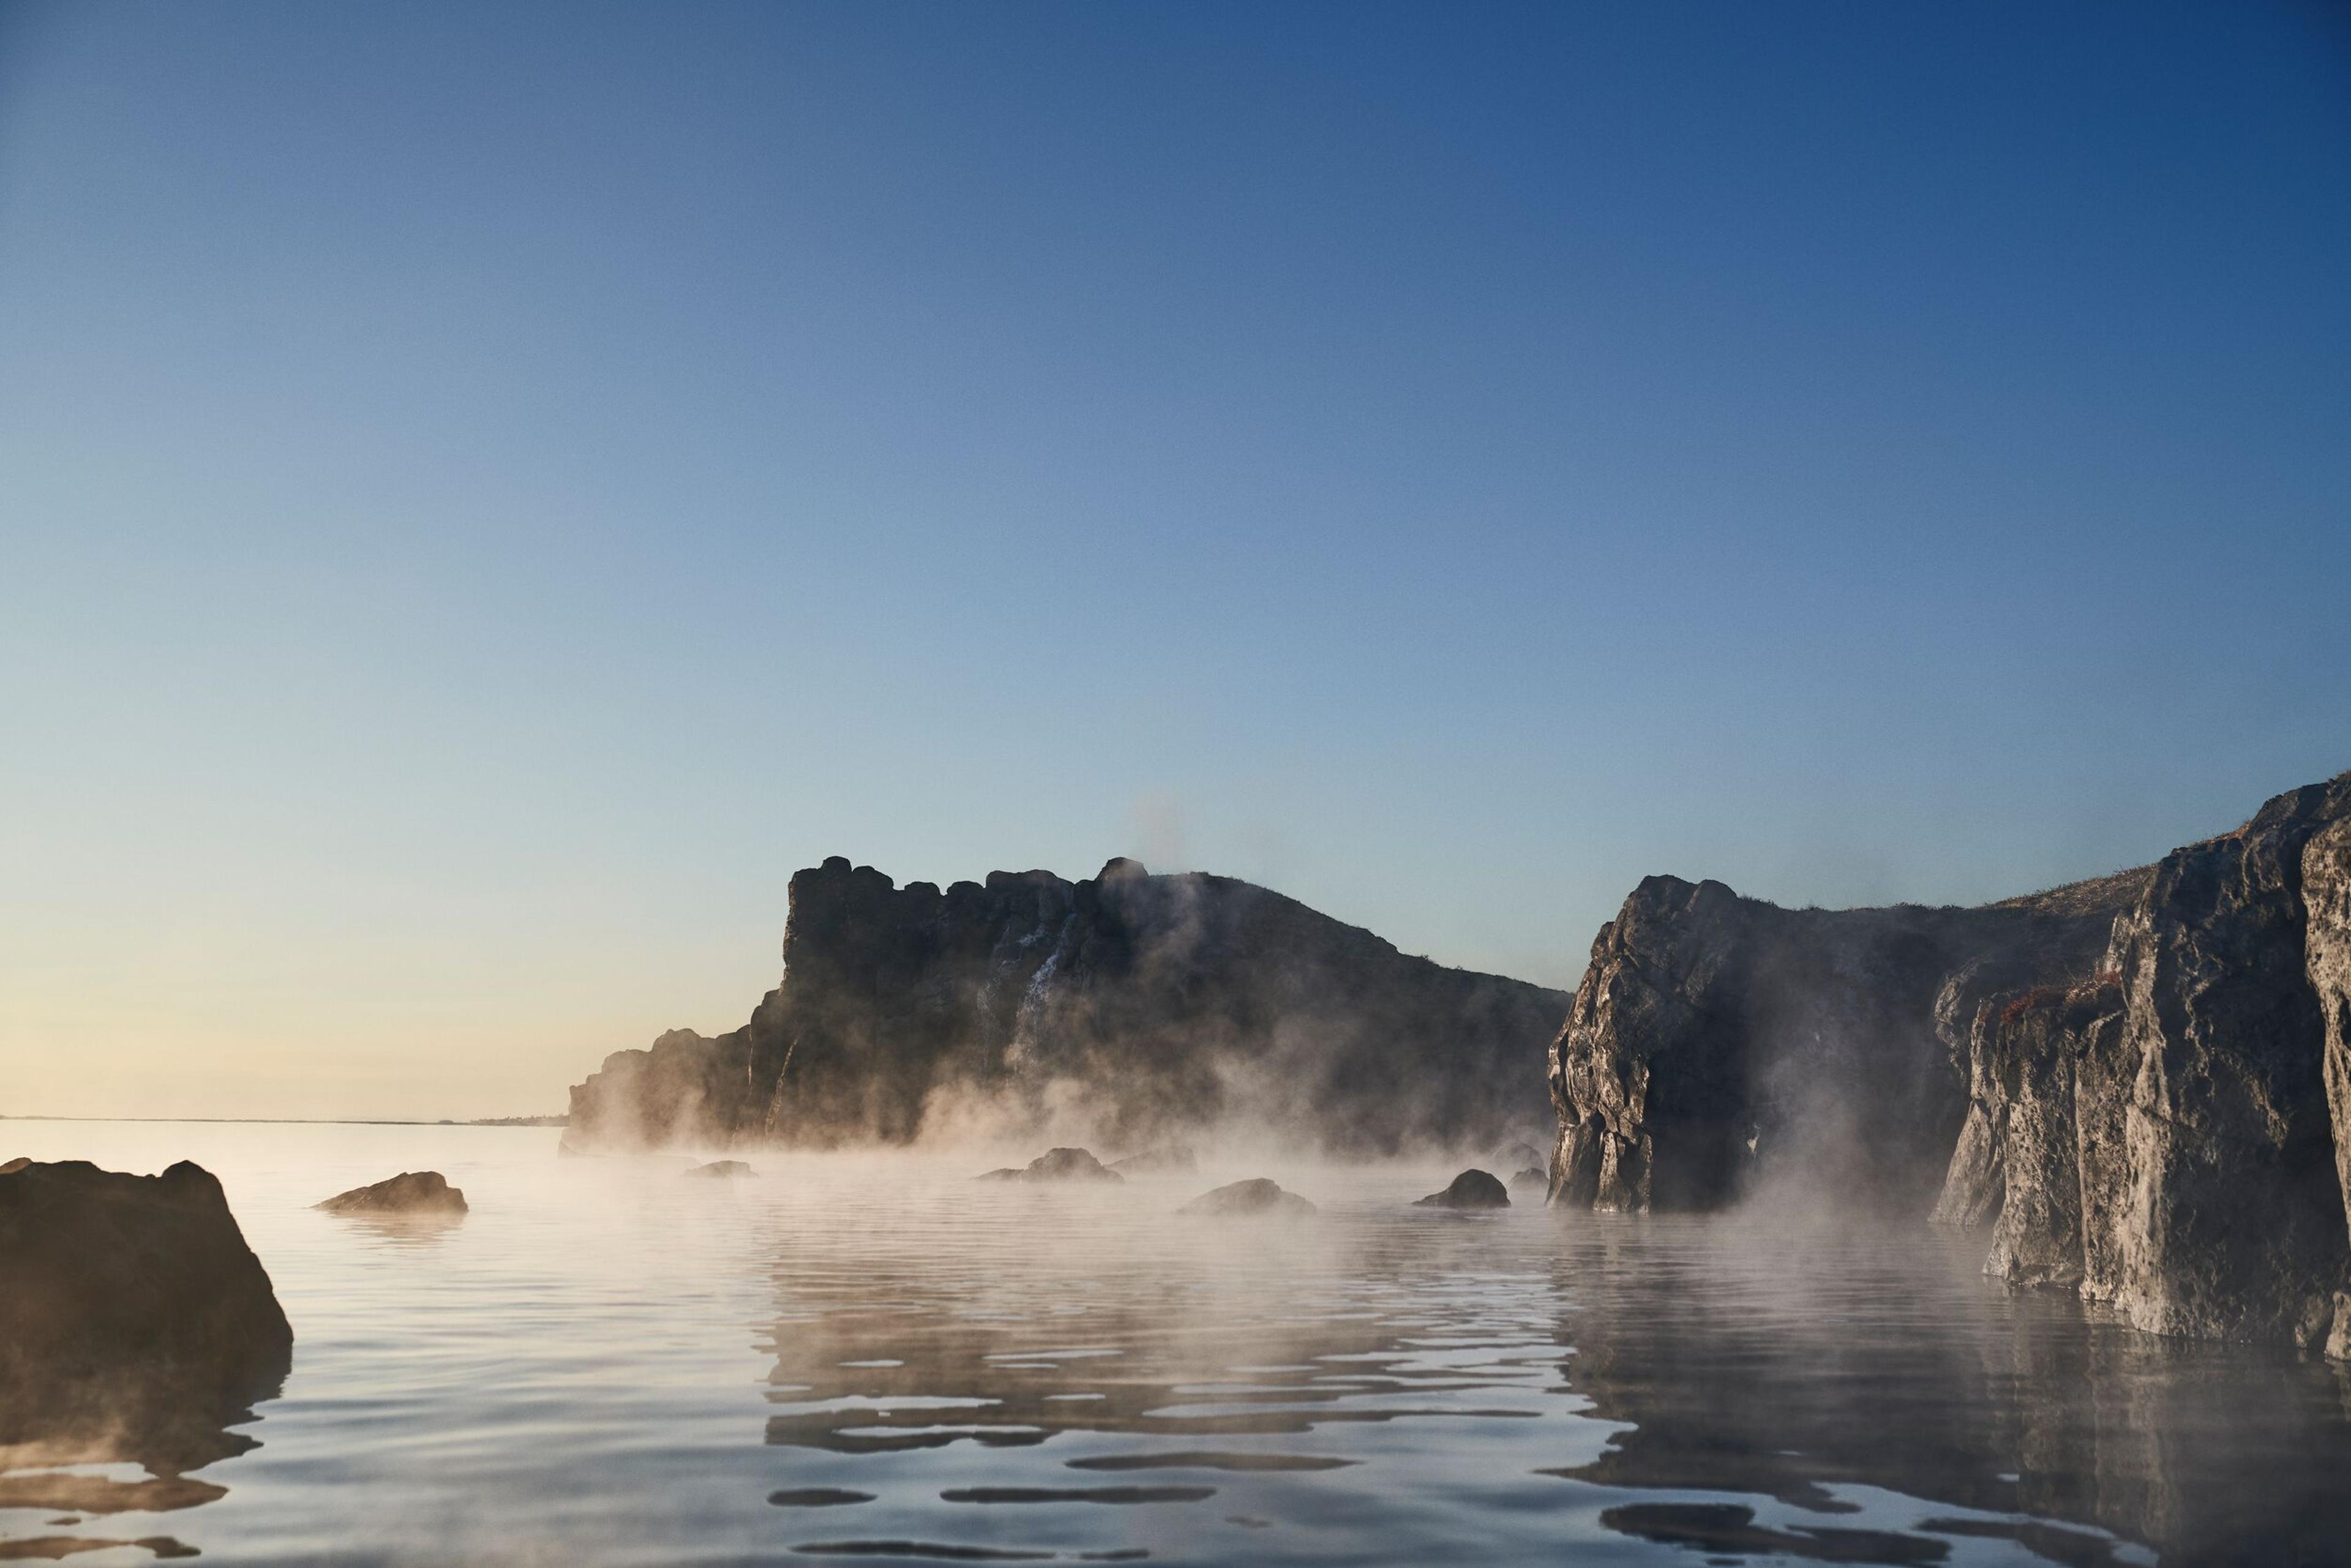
849, 1360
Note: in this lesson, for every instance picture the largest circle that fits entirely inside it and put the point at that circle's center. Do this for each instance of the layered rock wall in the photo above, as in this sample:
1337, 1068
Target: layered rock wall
2142, 1085
1132, 1006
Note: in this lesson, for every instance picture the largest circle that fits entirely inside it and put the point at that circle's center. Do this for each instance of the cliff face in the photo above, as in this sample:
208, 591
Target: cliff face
2143, 1084
1133, 1005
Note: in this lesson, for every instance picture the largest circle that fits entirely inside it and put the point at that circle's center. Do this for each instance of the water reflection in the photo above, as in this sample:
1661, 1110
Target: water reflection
1801, 1364
108, 1449
1713, 1389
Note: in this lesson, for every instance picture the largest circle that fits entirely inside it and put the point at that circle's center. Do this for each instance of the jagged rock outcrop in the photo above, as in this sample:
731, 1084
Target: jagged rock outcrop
2142, 1084
1717, 1041
130, 1304
1138, 1006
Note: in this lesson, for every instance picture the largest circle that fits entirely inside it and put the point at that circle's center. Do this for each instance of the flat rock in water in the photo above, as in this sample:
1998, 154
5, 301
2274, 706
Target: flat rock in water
1255, 1195
1470, 1189
723, 1170
1057, 1164
410, 1192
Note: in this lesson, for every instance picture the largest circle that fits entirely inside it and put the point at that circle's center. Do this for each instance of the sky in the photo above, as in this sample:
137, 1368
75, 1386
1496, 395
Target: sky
487, 492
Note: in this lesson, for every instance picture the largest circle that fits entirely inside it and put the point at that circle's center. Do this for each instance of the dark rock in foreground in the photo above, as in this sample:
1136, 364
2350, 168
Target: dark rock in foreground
1148, 1006
1057, 1164
1256, 1195
2138, 1084
723, 1170
1470, 1189
134, 1320
410, 1192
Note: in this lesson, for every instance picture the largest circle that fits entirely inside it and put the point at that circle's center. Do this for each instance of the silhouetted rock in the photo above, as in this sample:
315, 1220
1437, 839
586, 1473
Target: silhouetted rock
2137, 1082
1533, 1176
1150, 1006
1058, 1165
410, 1192
722, 1170
1255, 1195
134, 1320
1176, 1158
1470, 1189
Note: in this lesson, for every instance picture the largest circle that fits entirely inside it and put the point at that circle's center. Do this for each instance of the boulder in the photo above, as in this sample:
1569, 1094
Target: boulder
410, 1192
1470, 1189
1517, 1156
1058, 1165
133, 1316
1533, 1176
1255, 1195
723, 1170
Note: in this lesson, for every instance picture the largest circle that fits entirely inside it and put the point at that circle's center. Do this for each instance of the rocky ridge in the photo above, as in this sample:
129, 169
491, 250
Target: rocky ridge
1136, 1007
2141, 1085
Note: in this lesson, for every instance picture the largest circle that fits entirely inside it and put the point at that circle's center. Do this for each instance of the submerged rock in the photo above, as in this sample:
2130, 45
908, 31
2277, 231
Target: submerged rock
1176, 1158
1256, 1195
410, 1192
133, 1317
1517, 1156
1470, 1189
2141, 1085
1057, 1164
723, 1170
1160, 1005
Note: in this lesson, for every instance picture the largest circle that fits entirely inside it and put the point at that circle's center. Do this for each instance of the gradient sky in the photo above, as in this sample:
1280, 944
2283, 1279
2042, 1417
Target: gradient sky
485, 493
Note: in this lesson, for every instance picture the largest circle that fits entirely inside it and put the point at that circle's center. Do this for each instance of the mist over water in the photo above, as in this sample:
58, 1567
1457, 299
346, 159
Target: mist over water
873, 1358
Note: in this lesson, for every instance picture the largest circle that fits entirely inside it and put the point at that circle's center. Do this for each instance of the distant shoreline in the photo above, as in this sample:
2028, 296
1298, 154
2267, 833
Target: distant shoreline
314, 1121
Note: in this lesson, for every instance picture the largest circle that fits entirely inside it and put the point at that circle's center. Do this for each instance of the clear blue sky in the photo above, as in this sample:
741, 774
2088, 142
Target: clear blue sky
486, 492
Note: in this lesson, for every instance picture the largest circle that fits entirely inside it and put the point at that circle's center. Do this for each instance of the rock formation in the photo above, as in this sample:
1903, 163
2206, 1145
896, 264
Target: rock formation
1057, 1164
1257, 1195
1140, 1007
723, 1170
410, 1192
1470, 1189
2142, 1084
133, 1313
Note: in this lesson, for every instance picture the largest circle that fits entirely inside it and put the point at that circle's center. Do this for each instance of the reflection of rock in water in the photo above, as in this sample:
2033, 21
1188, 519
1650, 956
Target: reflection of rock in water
135, 1325
1771, 1366
873, 1361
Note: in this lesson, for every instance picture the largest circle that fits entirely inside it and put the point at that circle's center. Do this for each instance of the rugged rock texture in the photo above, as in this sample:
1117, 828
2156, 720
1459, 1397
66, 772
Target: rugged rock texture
2142, 1084
1716, 1042
131, 1312
1133, 1006
1470, 1189
1256, 1195
410, 1192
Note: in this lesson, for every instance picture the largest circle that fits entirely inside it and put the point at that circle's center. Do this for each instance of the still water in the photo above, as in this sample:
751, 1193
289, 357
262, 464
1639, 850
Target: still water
858, 1359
